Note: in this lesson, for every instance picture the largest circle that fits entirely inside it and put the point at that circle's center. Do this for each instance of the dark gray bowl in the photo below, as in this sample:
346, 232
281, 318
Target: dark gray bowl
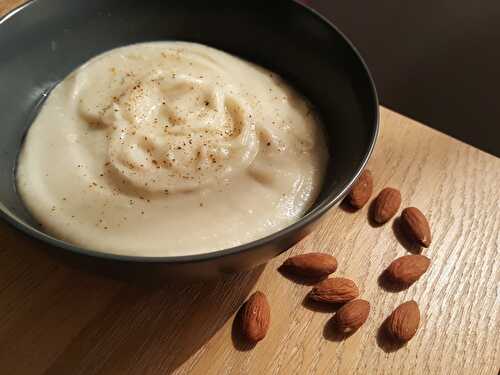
44, 40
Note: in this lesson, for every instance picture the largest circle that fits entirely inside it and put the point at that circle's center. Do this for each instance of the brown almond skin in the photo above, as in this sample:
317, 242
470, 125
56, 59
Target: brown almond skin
334, 290
256, 316
361, 190
311, 265
415, 226
403, 323
408, 269
352, 315
386, 205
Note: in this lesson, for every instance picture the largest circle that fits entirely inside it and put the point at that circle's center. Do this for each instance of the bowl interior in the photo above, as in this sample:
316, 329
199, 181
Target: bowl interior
47, 39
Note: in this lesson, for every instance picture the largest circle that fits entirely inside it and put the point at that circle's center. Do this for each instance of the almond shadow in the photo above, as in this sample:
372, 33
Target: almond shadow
346, 207
385, 342
384, 281
240, 343
298, 279
371, 221
331, 332
411, 246
321, 307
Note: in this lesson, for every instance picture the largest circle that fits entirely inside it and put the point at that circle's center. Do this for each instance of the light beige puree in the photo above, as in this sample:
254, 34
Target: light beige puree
169, 149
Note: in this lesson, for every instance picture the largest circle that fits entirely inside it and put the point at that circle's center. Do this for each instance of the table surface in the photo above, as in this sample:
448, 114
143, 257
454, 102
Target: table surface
57, 319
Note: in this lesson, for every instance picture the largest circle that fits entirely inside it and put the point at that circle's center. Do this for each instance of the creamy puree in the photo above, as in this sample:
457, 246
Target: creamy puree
170, 148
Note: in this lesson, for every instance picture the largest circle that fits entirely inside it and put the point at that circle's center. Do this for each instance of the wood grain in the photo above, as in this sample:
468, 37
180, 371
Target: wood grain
57, 319
7, 5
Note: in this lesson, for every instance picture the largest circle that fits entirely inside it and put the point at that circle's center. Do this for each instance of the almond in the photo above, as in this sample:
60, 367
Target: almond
352, 315
415, 226
408, 269
256, 316
312, 265
386, 205
334, 290
402, 324
362, 190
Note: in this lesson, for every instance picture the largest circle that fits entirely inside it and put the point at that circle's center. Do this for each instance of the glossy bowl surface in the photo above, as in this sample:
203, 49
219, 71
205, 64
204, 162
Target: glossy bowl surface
44, 40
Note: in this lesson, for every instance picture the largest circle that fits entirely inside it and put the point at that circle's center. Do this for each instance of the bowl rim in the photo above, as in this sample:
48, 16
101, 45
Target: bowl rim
309, 217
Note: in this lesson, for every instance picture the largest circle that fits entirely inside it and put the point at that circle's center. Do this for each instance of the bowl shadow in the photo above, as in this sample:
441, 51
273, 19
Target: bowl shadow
100, 324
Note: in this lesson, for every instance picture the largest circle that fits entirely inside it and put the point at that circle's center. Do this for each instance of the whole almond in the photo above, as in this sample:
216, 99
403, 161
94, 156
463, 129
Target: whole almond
352, 315
312, 265
408, 269
334, 290
362, 190
386, 205
403, 323
415, 226
256, 316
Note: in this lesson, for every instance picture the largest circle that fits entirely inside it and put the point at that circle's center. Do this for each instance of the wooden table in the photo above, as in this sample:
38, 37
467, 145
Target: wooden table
57, 319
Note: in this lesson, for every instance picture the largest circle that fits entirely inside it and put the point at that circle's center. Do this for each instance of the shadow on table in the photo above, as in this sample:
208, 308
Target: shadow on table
298, 279
332, 333
385, 342
346, 207
112, 325
397, 228
384, 281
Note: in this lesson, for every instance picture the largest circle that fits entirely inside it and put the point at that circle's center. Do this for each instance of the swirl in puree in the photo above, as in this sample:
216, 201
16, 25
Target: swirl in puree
170, 148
